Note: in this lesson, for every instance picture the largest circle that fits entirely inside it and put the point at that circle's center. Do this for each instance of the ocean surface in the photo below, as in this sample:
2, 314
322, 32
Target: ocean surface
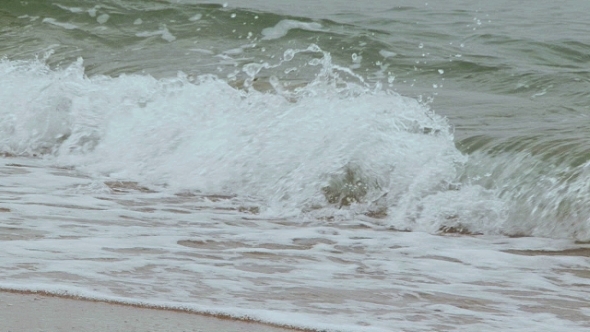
325, 165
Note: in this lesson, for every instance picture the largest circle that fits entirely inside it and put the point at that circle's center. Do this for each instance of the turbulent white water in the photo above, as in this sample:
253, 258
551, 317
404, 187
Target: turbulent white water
249, 162
326, 148
279, 206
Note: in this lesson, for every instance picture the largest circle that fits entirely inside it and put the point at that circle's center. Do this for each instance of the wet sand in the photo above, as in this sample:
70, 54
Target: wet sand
35, 312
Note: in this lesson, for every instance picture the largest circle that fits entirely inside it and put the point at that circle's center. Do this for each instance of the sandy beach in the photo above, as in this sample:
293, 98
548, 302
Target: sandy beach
35, 312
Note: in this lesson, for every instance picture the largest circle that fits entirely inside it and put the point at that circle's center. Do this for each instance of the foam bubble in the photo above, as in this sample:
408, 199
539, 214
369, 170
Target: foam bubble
195, 17
103, 18
387, 54
163, 32
74, 10
53, 21
283, 27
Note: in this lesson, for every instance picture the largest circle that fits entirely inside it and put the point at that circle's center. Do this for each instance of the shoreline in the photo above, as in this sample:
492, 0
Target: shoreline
28, 311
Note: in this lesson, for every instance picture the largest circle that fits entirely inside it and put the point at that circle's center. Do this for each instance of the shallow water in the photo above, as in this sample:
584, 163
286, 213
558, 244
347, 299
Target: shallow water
211, 254
413, 167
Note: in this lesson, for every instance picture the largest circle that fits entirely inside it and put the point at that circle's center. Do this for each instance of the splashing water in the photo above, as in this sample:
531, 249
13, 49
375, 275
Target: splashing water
333, 147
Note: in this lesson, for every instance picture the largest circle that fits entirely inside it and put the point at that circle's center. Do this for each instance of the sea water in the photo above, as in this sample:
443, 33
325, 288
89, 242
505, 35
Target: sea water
331, 166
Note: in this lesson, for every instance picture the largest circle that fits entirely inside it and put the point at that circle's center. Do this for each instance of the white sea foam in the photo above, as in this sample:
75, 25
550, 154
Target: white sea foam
387, 54
53, 21
200, 253
291, 157
283, 27
189, 193
102, 18
163, 32
195, 17
75, 10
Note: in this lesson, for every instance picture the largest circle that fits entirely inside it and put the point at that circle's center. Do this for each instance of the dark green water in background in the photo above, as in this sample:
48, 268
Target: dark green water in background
513, 78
